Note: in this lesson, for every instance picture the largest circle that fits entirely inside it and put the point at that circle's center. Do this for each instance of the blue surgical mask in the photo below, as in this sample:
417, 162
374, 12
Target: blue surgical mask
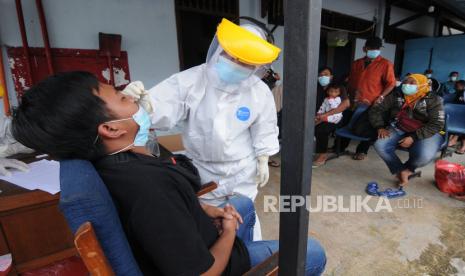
409, 89
429, 76
324, 80
373, 53
142, 118
231, 72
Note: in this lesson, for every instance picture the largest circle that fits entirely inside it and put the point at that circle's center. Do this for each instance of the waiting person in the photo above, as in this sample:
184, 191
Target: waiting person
415, 120
71, 115
448, 87
325, 77
429, 73
459, 99
325, 124
371, 79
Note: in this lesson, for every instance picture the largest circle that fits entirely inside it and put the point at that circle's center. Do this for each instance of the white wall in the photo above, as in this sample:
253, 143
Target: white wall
148, 28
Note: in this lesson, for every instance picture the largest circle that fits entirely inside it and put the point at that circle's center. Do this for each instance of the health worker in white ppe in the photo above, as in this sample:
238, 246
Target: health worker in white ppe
228, 114
9, 146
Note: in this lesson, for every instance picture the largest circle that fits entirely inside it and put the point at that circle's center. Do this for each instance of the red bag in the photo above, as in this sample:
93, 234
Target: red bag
450, 177
405, 123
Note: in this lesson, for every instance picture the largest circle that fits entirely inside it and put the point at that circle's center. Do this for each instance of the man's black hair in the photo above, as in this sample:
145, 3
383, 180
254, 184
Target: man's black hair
374, 42
453, 73
60, 115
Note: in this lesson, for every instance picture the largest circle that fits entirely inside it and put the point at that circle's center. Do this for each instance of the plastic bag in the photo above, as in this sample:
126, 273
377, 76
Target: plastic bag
450, 177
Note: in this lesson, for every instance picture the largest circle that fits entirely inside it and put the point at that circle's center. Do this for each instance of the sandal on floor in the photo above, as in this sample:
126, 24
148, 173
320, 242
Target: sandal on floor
359, 156
318, 164
273, 163
460, 152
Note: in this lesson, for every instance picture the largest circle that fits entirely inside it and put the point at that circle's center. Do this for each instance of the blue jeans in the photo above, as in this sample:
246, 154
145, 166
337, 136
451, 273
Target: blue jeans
421, 152
259, 251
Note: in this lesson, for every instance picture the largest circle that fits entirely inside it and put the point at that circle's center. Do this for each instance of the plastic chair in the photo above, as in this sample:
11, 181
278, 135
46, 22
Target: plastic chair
91, 214
456, 114
84, 198
449, 98
346, 131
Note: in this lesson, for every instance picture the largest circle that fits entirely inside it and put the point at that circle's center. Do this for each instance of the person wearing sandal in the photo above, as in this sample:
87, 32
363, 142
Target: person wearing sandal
416, 119
371, 79
453, 140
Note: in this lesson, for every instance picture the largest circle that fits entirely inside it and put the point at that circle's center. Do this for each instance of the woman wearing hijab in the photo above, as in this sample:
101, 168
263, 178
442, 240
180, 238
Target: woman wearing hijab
411, 118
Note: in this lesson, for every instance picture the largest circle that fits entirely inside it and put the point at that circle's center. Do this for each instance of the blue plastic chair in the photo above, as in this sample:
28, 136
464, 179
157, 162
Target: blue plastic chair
449, 98
456, 114
84, 198
346, 131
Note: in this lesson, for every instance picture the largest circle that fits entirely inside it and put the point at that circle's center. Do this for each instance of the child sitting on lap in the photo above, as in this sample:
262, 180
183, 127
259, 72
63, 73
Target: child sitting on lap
326, 122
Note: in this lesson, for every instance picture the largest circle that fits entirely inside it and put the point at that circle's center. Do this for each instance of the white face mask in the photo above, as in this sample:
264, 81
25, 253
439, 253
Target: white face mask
453, 78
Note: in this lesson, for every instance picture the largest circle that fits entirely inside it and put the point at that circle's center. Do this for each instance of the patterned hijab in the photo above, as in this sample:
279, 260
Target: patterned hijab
424, 87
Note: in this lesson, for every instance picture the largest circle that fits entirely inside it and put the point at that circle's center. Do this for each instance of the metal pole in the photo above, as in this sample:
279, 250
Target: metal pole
43, 27
22, 29
380, 18
301, 51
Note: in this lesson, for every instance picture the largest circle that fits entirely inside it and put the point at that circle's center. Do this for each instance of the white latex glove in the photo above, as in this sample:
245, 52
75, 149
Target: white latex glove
12, 164
263, 172
137, 90
13, 148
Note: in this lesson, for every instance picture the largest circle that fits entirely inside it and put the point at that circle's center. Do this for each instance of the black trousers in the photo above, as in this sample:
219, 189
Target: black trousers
322, 132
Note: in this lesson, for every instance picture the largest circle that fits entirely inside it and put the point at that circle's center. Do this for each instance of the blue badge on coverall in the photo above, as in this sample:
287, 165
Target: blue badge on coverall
243, 113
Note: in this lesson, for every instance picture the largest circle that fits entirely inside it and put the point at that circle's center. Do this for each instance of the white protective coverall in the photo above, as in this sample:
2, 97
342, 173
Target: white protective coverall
224, 131
9, 146
226, 126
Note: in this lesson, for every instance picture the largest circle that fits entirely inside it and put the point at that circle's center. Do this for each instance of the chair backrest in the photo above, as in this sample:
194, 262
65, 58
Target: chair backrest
84, 198
456, 121
449, 98
91, 252
357, 113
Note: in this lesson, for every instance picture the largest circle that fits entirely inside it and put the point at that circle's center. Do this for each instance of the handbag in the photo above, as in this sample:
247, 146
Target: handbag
405, 123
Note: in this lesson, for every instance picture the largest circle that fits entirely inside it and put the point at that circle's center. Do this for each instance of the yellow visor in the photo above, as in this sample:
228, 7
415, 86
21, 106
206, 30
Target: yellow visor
245, 45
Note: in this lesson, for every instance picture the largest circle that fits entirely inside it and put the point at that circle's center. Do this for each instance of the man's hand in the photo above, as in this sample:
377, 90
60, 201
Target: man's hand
379, 100
263, 172
407, 142
137, 91
383, 133
229, 225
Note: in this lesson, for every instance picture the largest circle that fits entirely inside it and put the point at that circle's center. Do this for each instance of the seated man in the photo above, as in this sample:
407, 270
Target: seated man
72, 115
415, 121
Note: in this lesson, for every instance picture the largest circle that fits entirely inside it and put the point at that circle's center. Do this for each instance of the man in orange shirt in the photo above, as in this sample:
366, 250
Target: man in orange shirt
371, 79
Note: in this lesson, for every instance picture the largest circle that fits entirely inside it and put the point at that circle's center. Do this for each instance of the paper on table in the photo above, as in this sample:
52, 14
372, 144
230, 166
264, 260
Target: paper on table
43, 175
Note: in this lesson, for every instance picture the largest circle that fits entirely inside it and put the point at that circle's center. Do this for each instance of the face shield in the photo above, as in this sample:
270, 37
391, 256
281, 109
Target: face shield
243, 60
